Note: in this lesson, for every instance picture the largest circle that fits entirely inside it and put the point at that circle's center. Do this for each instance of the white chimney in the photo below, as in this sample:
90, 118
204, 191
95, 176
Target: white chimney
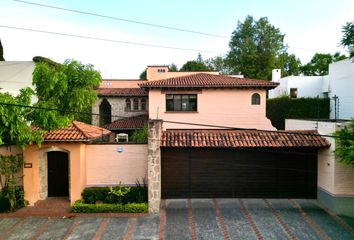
276, 75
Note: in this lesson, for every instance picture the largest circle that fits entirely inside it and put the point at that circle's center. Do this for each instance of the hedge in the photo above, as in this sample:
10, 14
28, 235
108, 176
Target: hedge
101, 195
81, 207
279, 109
20, 199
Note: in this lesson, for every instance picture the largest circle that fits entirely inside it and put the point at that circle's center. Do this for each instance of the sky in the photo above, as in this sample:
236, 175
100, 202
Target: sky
309, 26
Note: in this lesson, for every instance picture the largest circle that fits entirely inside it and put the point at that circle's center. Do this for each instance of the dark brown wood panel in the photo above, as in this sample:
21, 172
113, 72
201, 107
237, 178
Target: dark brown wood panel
256, 173
58, 174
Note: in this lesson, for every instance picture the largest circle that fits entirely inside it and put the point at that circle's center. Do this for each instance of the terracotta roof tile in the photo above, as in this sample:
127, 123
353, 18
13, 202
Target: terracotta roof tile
242, 138
122, 92
137, 122
204, 80
75, 132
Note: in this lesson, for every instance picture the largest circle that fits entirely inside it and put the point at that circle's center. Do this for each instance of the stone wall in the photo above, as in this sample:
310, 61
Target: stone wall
117, 107
154, 165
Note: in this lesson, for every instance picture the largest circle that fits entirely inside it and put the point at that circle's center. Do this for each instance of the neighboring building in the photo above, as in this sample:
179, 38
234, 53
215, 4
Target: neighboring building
337, 85
210, 100
335, 180
15, 75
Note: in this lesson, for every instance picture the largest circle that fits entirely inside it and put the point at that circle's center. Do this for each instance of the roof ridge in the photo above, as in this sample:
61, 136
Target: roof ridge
75, 124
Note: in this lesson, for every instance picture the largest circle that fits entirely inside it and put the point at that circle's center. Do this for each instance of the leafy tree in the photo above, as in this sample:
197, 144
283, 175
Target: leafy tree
289, 64
194, 65
345, 144
318, 66
140, 135
348, 38
254, 48
173, 68
219, 64
1, 52
143, 75
65, 86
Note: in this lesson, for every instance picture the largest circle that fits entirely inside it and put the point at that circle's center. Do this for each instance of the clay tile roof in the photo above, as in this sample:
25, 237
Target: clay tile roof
76, 132
204, 80
122, 92
242, 139
136, 122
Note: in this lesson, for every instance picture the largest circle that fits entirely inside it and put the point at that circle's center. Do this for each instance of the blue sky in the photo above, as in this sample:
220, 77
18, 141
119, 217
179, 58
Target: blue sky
310, 26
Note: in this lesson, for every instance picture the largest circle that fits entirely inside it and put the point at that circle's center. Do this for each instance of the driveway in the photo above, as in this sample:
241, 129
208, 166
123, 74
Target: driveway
194, 219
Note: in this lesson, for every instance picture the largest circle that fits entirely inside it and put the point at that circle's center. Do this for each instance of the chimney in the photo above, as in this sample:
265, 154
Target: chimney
276, 75
156, 72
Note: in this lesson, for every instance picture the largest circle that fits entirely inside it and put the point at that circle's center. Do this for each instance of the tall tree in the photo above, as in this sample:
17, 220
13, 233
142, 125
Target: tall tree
142, 75
289, 64
67, 86
219, 64
348, 38
173, 67
318, 66
1, 52
254, 48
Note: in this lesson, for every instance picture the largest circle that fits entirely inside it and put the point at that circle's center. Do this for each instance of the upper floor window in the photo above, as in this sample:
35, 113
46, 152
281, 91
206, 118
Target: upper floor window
181, 102
128, 104
143, 104
105, 112
136, 104
161, 70
293, 92
256, 99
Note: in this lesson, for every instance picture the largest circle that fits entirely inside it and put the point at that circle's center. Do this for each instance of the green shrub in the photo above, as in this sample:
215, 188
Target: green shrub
5, 205
279, 109
81, 207
20, 202
136, 194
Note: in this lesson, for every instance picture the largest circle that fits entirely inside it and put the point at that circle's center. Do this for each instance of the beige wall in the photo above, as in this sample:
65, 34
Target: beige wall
34, 179
12, 150
224, 107
152, 73
106, 166
333, 177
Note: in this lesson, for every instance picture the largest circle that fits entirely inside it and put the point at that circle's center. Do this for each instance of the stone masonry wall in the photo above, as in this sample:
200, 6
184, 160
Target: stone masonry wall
154, 165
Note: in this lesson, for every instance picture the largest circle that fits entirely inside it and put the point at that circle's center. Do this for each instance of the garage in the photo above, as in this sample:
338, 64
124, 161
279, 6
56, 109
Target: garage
197, 165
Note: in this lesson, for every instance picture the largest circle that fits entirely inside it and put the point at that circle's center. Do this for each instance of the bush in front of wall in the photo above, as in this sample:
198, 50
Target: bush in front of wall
81, 207
5, 205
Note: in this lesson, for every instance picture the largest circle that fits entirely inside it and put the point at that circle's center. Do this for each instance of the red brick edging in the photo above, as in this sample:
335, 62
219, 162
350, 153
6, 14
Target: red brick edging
191, 221
42, 229
162, 224
285, 226
71, 229
221, 220
8, 232
70, 215
130, 230
101, 229
250, 220
320, 232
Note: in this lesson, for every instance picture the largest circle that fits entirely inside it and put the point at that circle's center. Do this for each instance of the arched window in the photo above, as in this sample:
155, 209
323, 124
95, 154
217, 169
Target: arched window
256, 99
136, 104
143, 104
105, 112
128, 105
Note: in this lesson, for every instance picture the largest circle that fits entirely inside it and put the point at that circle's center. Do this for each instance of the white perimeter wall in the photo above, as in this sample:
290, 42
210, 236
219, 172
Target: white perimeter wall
105, 166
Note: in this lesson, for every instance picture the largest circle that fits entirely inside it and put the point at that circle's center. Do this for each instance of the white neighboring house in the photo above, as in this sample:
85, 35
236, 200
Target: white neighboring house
337, 85
15, 75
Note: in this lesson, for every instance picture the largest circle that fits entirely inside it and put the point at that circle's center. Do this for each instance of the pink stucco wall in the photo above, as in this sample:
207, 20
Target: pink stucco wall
106, 166
224, 107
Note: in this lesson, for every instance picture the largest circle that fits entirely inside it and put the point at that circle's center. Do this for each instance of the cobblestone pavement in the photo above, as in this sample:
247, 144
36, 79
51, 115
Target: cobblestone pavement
193, 219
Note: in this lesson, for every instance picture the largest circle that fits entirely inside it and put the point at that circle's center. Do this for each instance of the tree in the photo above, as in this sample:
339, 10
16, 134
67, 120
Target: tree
143, 75
219, 64
348, 38
254, 48
173, 67
194, 65
68, 86
345, 144
318, 66
1, 52
289, 64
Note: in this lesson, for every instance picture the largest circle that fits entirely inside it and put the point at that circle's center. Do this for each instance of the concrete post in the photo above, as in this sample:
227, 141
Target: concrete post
154, 165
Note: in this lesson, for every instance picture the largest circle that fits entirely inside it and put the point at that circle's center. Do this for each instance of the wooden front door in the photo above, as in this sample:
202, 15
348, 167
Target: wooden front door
58, 174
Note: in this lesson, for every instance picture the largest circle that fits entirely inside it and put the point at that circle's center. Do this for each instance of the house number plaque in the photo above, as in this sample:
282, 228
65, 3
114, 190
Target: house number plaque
27, 165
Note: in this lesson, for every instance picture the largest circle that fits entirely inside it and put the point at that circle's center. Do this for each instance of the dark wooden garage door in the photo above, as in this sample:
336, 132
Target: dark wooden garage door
262, 173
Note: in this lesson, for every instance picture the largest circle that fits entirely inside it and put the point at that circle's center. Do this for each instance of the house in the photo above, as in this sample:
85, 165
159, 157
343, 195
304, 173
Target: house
210, 138
336, 85
15, 75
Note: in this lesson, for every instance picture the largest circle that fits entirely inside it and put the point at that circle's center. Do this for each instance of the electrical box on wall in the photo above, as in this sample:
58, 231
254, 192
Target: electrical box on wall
119, 149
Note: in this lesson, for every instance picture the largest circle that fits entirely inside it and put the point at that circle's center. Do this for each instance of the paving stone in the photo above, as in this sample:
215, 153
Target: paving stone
293, 218
328, 224
235, 220
264, 219
147, 227
57, 229
205, 219
115, 229
7, 223
28, 228
177, 225
86, 229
